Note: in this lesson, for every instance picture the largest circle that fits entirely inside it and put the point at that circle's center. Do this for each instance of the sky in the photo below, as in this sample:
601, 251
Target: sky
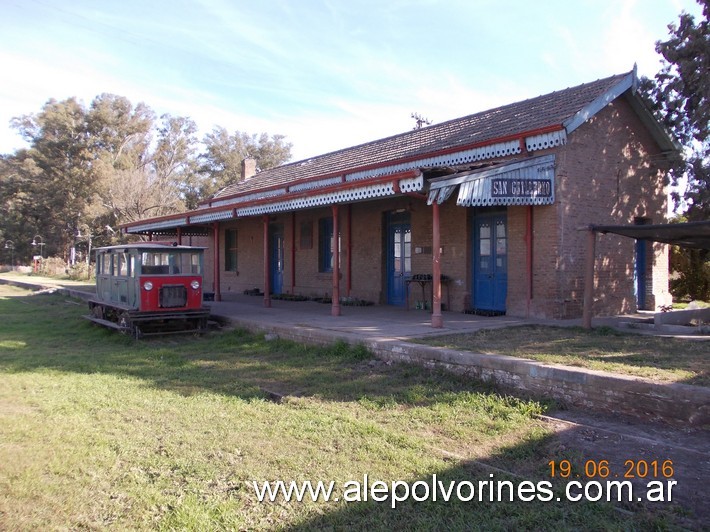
327, 74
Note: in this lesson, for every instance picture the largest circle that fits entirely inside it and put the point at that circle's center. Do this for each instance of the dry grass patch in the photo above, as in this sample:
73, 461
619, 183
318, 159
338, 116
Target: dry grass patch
603, 348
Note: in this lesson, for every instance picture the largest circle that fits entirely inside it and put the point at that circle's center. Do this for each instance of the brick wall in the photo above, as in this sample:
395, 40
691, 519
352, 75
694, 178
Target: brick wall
301, 240
249, 273
309, 281
367, 250
605, 176
367, 244
456, 262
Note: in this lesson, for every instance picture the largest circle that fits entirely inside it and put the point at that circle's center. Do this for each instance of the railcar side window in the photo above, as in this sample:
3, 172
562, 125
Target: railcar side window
107, 263
156, 263
123, 264
195, 263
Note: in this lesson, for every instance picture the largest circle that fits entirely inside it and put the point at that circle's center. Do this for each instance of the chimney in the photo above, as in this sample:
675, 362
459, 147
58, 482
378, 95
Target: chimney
248, 168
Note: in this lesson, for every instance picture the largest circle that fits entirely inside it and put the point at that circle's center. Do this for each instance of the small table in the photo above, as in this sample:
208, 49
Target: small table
424, 279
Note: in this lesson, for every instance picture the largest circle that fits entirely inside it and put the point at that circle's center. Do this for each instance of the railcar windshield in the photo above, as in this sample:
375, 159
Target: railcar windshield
170, 262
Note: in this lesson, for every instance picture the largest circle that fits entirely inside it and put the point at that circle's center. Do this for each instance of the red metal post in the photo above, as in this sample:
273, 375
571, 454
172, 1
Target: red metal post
215, 245
293, 252
529, 257
437, 320
349, 248
335, 308
267, 277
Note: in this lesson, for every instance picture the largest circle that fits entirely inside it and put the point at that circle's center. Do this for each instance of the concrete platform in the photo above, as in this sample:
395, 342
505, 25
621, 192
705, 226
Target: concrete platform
355, 322
388, 332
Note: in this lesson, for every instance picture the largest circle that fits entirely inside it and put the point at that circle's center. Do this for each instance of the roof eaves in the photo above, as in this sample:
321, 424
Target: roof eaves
391, 166
688, 234
588, 111
177, 217
661, 134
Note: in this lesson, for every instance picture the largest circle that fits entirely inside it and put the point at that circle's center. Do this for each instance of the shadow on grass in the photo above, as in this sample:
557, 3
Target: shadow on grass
462, 485
46, 332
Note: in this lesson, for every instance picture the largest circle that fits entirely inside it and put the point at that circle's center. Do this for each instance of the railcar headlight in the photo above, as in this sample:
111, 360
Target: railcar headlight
148, 285
195, 284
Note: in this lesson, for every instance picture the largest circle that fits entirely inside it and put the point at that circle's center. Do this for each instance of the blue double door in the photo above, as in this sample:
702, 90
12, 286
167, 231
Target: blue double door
490, 262
399, 257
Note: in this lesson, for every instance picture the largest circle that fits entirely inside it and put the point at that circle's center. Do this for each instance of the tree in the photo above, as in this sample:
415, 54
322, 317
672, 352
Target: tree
92, 167
680, 97
119, 131
56, 173
112, 163
691, 279
18, 222
120, 140
135, 194
221, 162
135, 182
174, 160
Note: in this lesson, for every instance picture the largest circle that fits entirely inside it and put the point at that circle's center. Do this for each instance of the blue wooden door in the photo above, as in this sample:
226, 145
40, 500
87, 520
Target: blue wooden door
490, 268
399, 261
640, 274
276, 258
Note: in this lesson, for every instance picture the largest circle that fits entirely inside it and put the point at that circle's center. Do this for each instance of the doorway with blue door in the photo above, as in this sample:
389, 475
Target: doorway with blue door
640, 266
490, 261
276, 257
399, 256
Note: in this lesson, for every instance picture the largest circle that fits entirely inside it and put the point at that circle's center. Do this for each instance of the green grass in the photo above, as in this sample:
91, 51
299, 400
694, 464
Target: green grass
99, 431
682, 305
603, 348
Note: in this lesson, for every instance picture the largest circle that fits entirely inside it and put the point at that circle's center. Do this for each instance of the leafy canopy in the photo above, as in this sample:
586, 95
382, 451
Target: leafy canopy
680, 97
113, 162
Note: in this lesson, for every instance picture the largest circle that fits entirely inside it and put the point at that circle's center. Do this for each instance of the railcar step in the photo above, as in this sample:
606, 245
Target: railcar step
105, 323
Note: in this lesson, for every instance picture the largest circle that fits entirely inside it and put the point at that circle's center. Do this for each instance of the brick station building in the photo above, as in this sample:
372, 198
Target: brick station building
480, 213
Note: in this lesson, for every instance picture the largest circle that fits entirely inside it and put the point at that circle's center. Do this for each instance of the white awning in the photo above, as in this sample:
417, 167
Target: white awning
528, 181
155, 226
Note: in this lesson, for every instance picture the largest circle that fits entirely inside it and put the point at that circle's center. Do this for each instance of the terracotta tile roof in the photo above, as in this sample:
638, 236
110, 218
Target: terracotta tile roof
528, 115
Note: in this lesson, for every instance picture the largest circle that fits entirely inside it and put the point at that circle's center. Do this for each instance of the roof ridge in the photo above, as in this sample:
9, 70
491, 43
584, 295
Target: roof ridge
534, 113
457, 119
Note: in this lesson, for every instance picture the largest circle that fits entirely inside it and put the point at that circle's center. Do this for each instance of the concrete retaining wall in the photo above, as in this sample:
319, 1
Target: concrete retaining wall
575, 387
682, 317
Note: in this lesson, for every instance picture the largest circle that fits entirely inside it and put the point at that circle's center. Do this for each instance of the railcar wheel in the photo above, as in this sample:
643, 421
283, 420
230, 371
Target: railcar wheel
97, 311
124, 321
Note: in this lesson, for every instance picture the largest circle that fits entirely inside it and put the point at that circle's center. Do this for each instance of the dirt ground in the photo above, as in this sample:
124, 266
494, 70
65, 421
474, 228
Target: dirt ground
624, 443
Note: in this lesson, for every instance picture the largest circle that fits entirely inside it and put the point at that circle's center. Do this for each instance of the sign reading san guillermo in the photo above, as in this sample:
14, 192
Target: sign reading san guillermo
521, 188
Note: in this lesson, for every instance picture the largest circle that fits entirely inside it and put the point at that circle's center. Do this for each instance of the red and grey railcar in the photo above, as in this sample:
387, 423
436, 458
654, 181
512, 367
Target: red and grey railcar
149, 288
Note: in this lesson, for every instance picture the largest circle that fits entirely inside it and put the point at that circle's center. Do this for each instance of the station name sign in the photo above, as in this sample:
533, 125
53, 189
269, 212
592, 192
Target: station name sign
521, 188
